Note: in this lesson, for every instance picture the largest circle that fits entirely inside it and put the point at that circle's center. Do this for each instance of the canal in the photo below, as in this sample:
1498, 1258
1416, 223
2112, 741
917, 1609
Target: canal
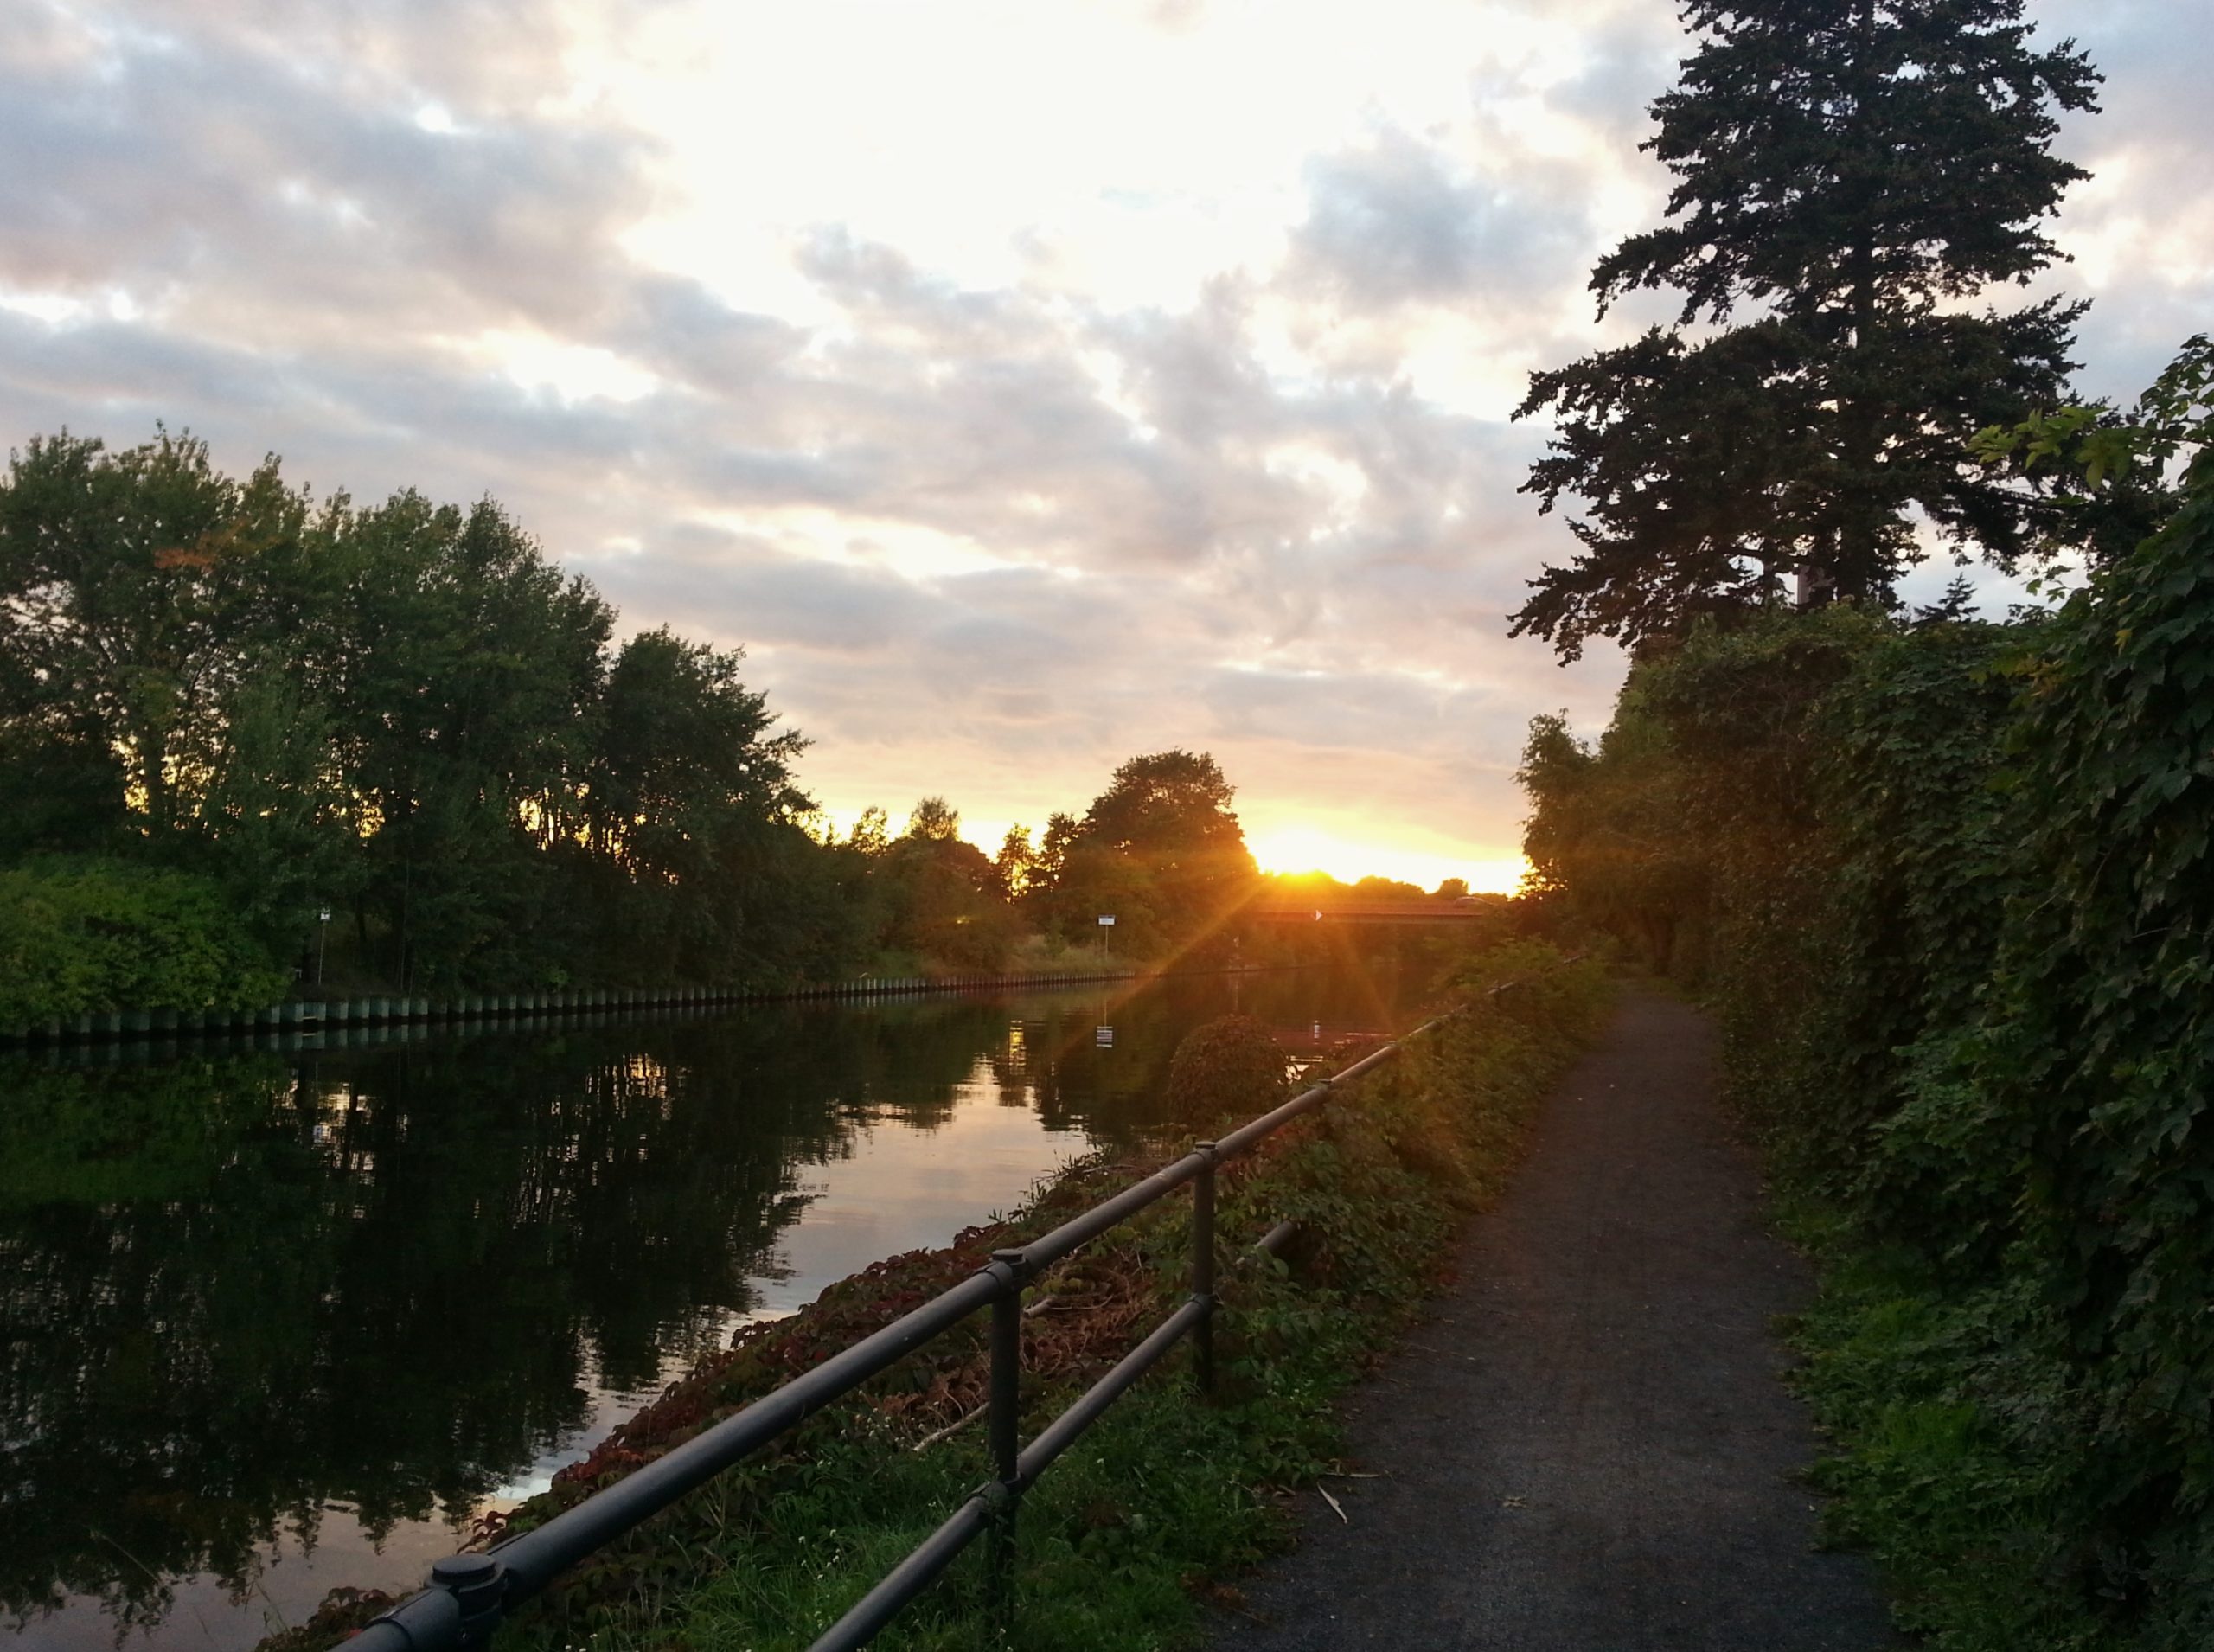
275, 1323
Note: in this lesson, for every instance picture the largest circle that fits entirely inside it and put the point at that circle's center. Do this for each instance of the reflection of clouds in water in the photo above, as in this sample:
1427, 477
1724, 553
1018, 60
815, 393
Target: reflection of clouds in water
904, 1189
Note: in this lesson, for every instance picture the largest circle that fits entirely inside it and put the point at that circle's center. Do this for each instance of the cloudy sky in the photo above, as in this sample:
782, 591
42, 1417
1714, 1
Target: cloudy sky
1025, 384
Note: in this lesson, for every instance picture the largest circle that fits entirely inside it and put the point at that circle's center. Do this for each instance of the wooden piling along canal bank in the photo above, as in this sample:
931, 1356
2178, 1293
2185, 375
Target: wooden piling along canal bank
338, 1021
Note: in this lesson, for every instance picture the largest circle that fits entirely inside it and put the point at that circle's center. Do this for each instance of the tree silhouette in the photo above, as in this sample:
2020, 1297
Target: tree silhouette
1847, 175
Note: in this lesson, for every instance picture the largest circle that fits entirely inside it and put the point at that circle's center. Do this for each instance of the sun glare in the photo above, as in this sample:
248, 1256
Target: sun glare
1297, 848
1304, 848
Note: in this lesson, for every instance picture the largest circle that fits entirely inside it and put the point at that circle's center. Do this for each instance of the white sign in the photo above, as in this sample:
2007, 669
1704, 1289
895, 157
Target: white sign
1106, 920
1105, 1038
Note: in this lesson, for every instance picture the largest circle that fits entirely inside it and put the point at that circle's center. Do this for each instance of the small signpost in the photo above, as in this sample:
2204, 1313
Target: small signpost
1106, 923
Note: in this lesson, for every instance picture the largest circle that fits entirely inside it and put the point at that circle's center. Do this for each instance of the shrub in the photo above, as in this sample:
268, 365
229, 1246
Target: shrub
1229, 1070
82, 936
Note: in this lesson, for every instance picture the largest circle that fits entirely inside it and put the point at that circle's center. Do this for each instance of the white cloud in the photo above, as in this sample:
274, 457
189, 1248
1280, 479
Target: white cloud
1025, 385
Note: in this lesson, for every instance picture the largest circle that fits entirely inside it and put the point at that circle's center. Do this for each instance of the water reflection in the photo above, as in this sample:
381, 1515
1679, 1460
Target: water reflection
263, 1316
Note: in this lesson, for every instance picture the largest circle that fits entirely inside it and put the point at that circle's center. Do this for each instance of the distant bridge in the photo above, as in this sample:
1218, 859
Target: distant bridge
1376, 911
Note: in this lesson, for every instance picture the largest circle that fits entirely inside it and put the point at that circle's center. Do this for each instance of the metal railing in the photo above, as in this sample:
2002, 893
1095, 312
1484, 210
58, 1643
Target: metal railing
469, 1593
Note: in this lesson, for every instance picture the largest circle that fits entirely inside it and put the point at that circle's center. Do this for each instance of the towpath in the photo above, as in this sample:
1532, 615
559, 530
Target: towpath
1589, 1444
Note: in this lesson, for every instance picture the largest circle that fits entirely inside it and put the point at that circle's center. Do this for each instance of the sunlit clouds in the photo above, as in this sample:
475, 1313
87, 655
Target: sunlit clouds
1025, 385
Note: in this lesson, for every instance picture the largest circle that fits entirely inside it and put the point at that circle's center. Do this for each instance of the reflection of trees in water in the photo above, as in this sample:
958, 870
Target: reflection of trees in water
1118, 1094
236, 1290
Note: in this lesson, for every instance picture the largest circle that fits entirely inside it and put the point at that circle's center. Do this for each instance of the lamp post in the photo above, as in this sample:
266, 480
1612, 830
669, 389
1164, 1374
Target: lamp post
321, 931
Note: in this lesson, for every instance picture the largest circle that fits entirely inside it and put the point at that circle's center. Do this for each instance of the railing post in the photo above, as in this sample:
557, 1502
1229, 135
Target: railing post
478, 1584
1203, 1267
1004, 1424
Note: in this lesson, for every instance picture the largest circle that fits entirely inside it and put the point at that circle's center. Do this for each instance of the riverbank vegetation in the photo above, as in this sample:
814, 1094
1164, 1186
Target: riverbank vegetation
1944, 878
1948, 884
1127, 1538
248, 736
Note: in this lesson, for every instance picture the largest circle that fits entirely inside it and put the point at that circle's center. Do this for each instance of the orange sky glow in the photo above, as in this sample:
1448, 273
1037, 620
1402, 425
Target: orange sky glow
1024, 387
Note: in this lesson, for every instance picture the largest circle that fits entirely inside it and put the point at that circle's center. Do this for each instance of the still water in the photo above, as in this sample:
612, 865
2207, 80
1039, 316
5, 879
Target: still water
271, 1324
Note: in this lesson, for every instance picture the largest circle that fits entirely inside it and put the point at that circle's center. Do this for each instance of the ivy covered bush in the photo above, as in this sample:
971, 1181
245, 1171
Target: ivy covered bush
1951, 888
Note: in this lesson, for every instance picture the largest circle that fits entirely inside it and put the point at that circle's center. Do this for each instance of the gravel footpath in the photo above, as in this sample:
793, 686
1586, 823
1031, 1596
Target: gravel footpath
1589, 1444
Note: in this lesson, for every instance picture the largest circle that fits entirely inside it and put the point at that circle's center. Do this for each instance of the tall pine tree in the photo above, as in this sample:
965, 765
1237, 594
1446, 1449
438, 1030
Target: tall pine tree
1849, 173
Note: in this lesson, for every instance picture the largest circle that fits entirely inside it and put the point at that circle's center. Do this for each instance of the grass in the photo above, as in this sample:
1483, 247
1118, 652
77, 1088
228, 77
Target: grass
1949, 1427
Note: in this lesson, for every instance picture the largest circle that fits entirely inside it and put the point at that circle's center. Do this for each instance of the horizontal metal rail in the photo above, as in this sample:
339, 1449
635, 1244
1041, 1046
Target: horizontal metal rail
913, 1575
469, 1593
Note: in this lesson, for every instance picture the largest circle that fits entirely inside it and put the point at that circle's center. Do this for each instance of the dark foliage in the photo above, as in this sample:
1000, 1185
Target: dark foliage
404, 715
1846, 174
1230, 1069
1957, 919
1160, 849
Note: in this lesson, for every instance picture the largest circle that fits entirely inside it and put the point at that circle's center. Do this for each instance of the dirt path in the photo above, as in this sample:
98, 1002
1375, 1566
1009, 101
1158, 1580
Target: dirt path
1588, 1446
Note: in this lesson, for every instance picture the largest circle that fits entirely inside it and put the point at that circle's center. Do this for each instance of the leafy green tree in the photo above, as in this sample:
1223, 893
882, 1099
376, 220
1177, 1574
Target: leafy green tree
946, 902
1095, 881
139, 598
1016, 864
1848, 176
274, 828
1381, 888
1173, 801
1053, 846
935, 821
406, 707
688, 797
463, 669
1608, 838
869, 834
62, 785
1167, 815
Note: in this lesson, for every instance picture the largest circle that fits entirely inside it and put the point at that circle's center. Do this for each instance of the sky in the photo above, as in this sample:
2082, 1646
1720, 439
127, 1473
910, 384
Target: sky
1025, 385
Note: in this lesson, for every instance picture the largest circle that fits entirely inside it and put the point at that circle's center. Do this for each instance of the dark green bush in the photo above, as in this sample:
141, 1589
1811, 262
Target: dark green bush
1226, 1071
82, 936
1959, 931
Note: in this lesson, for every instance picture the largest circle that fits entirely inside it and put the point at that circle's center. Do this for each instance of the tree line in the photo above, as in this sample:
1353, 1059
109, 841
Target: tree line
1947, 880
228, 708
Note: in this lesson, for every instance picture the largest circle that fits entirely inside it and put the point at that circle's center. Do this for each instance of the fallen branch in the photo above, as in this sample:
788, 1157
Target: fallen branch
950, 1428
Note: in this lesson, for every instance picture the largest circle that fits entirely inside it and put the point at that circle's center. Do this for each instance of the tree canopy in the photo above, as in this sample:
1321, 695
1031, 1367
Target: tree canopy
1848, 177
403, 712
1160, 849
226, 708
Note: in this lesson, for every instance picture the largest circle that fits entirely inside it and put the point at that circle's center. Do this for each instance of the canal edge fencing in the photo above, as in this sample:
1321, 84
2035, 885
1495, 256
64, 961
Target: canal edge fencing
469, 1593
